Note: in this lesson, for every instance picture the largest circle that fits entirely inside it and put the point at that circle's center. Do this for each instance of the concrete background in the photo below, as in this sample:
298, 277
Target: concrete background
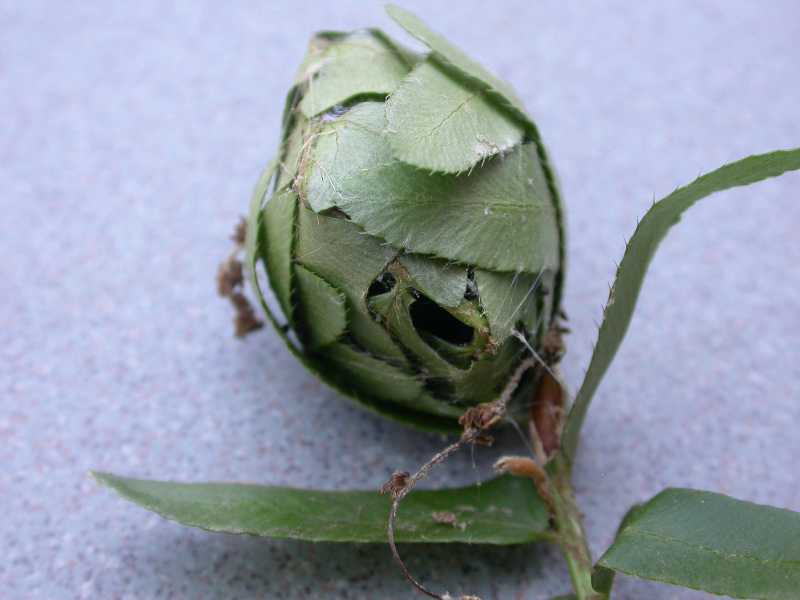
132, 134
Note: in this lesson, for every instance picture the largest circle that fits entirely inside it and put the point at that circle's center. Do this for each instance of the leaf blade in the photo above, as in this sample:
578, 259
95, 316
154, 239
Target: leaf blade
362, 63
713, 543
253, 241
451, 55
278, 221
353, 168
436, 123
323, 305
502, 511
640, 249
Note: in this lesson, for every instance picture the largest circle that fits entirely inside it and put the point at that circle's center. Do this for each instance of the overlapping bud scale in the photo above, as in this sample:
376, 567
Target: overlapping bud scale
411, 230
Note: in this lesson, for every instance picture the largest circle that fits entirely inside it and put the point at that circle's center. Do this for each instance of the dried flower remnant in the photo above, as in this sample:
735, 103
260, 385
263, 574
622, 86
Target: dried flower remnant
230, 284
245, 321
229, 276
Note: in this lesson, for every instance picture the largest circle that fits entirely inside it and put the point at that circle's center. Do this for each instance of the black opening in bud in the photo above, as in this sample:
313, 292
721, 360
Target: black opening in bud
430, 318
383, 283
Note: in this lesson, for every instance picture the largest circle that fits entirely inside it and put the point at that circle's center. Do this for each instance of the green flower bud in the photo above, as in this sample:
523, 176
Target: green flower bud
412, 230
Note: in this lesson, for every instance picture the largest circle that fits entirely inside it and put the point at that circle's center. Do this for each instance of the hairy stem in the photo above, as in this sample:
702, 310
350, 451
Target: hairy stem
570, 532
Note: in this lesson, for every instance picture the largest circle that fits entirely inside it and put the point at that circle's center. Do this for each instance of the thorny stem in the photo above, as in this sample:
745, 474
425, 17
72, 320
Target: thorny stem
475, 421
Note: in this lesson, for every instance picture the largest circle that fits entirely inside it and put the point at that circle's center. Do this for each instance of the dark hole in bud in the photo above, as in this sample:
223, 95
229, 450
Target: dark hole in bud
471, 293
430, 318
382, 284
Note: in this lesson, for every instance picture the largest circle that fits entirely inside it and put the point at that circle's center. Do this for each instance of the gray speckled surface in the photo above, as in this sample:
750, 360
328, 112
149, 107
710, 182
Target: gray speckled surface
132, 134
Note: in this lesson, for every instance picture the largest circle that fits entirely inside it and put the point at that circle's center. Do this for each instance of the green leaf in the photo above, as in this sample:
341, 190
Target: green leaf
602, 577
278, 221
323, 308
352, 167
508, 299
641, 247
442, 282
254, 241
437, 123
713, 543
455, 58
366, 376
254, 245
502, 92
339, 252
394, 308
502, 511
291, 149
363, 63
603, 581
252, 237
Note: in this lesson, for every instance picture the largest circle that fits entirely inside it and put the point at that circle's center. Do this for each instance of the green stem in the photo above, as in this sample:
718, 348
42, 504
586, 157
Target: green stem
570, 533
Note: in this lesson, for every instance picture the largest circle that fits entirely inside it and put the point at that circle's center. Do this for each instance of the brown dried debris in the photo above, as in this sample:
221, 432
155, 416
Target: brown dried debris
547, 413
485, 440
397, 483
553, 347
230, 283
240, 232
230, 276
481, 417
445, 517
245, 320
522, 466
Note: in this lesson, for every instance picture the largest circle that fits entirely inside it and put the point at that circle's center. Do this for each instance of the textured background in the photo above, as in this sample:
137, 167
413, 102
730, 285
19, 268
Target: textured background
132, 134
